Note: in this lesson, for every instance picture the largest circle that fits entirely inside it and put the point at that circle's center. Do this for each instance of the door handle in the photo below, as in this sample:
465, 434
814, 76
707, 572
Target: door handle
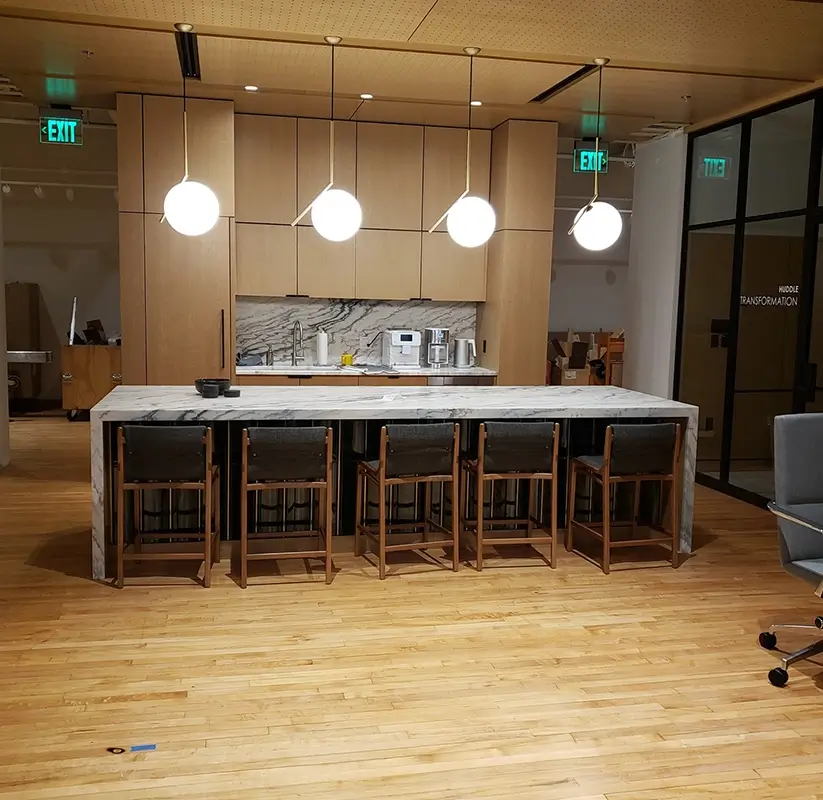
222, 338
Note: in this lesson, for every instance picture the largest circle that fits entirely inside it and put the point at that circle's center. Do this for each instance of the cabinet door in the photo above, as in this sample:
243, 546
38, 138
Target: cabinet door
130, 152
211, 148
387, 265
329, 380
390, 175
265, 164
444, 170
324, 268
452, 272
133, 297
188, 304
89, 373
266, 260
265, 380
313, 159
394, 380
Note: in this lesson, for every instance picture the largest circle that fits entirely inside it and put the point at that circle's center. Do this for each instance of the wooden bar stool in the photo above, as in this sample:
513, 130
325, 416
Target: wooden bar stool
512, 451
287, 458
633, 454
410, 455
165, 457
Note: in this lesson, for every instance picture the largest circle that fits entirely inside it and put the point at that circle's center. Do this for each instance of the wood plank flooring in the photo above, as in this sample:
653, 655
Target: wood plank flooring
515, 683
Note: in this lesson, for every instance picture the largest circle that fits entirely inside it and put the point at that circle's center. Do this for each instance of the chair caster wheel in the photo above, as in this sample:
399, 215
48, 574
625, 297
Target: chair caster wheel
768, 641
778, 677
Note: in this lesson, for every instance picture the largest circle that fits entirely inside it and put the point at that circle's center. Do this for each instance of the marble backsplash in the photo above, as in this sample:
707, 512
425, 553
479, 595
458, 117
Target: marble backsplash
350, 324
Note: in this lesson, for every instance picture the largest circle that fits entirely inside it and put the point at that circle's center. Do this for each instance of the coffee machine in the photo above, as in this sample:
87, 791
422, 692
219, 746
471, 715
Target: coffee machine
437, 347
401, 349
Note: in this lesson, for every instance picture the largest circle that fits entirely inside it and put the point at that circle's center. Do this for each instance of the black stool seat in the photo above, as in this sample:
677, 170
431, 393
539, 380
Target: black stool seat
633, 454
512, 451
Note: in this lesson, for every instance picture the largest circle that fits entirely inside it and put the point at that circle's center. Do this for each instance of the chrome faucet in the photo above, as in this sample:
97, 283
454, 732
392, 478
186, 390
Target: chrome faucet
297, 342
270, 356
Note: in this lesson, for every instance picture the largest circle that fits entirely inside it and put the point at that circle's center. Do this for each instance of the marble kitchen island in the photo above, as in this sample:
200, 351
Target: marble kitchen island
182, 404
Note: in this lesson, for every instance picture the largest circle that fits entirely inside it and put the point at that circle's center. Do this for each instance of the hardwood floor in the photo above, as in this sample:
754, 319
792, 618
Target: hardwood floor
515, 683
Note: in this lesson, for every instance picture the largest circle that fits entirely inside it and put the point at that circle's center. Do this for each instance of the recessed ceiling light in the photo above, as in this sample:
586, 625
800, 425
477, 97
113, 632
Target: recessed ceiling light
367, 96
251, 88
477, 103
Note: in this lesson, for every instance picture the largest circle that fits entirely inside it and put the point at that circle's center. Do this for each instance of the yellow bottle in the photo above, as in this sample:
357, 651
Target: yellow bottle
347, 359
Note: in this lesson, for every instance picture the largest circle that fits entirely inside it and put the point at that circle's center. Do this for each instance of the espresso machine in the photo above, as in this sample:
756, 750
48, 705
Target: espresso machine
437, 347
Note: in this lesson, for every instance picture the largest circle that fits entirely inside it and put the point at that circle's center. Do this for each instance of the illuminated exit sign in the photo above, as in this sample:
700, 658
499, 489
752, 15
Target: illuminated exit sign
591, 160
715, 167
59, 130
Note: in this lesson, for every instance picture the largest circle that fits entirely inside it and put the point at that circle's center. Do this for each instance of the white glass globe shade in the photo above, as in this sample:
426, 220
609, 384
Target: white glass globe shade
598, 227
336, 215
471, 222
191, 208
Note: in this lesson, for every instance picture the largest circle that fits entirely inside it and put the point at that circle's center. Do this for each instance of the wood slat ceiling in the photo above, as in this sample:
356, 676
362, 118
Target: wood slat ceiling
722, 54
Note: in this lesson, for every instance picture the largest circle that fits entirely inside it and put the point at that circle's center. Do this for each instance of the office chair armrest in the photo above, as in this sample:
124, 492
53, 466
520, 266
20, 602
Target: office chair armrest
792, 516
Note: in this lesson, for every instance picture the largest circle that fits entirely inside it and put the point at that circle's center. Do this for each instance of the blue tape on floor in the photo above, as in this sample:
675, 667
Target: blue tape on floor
136, 748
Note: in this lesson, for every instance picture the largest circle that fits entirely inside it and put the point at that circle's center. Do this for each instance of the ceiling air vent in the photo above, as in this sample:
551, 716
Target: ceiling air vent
561, 86
8, 89
659, 129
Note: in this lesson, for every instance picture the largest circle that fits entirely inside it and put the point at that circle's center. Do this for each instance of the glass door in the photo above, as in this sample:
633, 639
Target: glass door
811, 388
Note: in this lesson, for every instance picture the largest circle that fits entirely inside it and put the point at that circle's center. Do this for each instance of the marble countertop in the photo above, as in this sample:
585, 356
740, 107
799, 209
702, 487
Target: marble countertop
182, 403
366, 369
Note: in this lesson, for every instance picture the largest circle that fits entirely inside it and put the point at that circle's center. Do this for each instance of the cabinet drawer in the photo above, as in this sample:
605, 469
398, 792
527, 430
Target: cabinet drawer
391, 380
266, 380
329, 380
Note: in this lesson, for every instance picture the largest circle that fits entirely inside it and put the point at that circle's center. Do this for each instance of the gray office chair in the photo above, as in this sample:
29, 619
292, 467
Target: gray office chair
798, 506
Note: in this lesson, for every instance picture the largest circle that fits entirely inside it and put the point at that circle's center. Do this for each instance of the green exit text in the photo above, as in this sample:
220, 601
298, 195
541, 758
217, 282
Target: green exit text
714, 167
56, 130
591, 161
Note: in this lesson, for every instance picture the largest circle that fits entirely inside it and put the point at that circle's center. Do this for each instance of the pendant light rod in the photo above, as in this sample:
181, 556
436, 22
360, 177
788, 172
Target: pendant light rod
185, 133
332, 41
471, 52
601, 62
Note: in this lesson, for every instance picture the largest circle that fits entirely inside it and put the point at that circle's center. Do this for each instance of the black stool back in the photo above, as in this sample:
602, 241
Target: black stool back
164, 454
519, 447
419, 449
287, 454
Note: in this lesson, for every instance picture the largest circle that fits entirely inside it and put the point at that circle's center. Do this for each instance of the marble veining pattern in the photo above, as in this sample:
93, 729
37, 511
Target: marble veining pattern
264, 321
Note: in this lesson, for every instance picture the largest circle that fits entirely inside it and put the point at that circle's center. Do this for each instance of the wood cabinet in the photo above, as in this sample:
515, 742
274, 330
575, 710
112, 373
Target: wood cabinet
211, 148
130, 152
266, 380
452, 272
266, 263
89, 373
329, 380
133, 298
188, 304
390, 175
297, 380
444, 169
313, 160
265, 169
393, 380
387, 265
324, 268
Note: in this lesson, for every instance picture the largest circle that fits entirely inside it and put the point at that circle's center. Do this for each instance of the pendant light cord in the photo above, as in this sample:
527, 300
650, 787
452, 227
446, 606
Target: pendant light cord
331, 123
185, 134
597, 135
469, 131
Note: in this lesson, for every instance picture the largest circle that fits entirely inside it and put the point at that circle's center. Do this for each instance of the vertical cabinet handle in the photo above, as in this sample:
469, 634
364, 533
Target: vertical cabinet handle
222, 338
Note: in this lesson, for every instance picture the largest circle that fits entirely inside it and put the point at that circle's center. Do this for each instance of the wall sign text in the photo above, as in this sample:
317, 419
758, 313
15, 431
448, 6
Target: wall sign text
59, 130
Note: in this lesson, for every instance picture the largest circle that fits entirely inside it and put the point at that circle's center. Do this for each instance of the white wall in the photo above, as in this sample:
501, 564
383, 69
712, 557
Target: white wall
589, 290
654, 264
67, 246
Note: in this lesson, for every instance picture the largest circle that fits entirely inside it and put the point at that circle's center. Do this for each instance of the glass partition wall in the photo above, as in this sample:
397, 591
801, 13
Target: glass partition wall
750, 317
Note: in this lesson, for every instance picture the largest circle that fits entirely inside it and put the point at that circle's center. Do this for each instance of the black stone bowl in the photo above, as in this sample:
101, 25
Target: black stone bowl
221, 383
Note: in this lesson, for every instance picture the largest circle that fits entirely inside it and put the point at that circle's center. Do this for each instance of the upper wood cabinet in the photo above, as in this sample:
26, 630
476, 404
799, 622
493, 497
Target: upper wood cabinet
444, 169
324, 268
265, 168
266, 262
211, 148
452, 272
387, 265
390, 175
313, 160
188, 304
133, 297
130, 152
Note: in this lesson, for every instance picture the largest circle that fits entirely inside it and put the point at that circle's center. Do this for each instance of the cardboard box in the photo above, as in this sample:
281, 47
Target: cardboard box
561, 376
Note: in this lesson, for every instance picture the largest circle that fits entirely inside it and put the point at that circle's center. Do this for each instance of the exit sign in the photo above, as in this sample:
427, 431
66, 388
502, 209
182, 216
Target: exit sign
591, 160
59, 130
715, 167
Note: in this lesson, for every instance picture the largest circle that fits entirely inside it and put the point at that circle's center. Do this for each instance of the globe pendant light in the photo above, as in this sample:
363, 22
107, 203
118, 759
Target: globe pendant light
598, 225
470, 220
335, 213
191, 208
